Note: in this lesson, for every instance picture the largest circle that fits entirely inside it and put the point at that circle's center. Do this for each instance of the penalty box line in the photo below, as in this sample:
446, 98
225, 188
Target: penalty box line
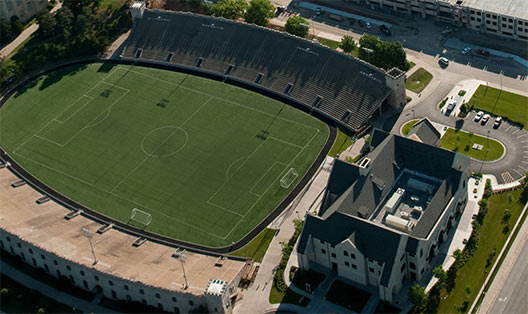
266, 191
118, 195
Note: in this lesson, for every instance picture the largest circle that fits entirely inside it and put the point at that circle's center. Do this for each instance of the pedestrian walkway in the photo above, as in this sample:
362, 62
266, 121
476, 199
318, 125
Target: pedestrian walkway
49, 291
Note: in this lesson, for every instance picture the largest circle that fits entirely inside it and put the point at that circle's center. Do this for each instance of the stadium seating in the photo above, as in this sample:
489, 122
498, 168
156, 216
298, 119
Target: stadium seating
318, 75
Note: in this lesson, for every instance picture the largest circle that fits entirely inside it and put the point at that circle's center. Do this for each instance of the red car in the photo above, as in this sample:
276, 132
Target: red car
483, 52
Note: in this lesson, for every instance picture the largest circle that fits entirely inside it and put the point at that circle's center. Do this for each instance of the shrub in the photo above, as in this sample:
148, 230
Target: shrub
461, 92
347, 44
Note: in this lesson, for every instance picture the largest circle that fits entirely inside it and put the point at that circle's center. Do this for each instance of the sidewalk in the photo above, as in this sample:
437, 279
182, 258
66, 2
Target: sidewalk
458, 44
49, 291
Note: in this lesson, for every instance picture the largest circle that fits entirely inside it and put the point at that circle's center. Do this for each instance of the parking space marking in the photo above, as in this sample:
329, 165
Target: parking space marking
507, 177
522, 135
517, 173
524, 162
508, 128
524, 141
515, 131
523, 168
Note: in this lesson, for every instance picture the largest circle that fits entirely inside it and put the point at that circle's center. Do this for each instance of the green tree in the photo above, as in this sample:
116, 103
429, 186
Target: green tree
297, 25
229, 9
441, 275
64, 23
259, 12
347, 44
16, 25
46, 24
384, 54
6, 32
417, 296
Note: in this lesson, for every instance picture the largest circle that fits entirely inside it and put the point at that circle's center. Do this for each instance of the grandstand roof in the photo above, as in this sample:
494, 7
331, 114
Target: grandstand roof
350, 89
151, 263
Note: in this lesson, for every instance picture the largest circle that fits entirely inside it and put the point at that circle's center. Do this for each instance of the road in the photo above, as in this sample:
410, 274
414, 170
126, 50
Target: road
507, 293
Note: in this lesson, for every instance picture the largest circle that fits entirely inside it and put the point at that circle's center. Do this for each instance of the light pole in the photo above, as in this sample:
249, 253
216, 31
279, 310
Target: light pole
414, 117
369, 51
89, 234
180, 255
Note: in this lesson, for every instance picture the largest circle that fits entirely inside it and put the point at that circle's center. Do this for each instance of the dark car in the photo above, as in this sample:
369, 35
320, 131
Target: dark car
361, 23
351, 21
482, 52
385, 29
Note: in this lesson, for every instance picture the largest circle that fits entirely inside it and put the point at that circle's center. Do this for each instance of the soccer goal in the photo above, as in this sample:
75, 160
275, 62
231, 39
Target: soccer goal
289, 178
141, 217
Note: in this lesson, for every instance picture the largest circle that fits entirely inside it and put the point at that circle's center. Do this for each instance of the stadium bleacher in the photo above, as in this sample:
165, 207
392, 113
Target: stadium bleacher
343, 88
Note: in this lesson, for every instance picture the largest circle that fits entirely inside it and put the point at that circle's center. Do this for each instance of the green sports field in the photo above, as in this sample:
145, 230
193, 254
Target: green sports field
188, 150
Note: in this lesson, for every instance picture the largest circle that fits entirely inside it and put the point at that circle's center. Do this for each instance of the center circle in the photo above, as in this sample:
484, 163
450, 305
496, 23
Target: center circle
164, 141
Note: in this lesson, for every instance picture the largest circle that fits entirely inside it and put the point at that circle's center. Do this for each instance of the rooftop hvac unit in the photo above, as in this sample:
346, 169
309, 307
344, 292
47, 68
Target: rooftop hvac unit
399, 223
394, 200
420, 186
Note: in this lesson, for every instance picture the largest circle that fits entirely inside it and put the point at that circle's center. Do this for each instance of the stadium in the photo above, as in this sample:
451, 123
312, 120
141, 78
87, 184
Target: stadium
183, 148
198, 138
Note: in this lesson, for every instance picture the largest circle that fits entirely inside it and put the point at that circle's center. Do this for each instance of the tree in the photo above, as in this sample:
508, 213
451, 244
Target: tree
46, 24
16, 25
417, 296
347, 44
6, 32
441, 275
64, 23
259, 12
298, 26
384, 54
229, 9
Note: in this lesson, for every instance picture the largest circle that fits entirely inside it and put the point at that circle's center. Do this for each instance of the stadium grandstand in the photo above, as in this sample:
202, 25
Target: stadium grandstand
342, 88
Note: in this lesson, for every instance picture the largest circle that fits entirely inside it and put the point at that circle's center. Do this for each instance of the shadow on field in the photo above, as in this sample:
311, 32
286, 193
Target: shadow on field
56, 76
106, 67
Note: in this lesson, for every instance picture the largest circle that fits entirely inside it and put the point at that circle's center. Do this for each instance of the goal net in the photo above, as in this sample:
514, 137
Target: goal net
288, 178
141, 217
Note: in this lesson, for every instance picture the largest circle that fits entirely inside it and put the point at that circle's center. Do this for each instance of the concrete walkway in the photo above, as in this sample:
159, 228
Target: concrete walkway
24, 35
50, 292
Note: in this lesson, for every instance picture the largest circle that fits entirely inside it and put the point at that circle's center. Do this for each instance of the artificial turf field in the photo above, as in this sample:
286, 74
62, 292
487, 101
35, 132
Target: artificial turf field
185, 149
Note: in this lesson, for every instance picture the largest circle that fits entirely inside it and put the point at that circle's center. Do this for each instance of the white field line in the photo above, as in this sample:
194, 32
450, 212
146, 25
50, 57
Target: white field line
164, 141
116, 195
226, 100
280, 175
61, 112
262, 177
90, 98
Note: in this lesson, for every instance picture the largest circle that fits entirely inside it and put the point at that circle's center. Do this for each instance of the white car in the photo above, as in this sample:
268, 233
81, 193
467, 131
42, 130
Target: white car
485, 118
443, 60
479, 116
498, 121
466, 50
368, 25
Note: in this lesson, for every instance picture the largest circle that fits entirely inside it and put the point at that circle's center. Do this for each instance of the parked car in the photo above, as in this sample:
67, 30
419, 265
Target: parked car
368, 25
351, 21
318, 11
335, 17
478, 116
497, 123
281, 9
466, 50
451, 105
443, 60
485, 119
385, 29
361, 23
482, 52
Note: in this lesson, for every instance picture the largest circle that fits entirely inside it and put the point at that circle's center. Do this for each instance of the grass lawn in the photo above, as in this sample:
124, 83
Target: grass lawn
301, 277
411, 65
288, 297
20, 299
493, 235
408, 126
257, 247
347, 296
202, 157
328, 42
343, 141
508, 105
418, 80
462, 142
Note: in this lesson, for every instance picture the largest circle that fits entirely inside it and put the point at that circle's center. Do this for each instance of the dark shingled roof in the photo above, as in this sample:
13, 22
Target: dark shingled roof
341, 87
426, 132
373, 241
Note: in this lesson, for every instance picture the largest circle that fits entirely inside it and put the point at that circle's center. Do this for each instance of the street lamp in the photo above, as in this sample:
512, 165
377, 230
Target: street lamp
89, 234
369, 51
413, 114
180, 255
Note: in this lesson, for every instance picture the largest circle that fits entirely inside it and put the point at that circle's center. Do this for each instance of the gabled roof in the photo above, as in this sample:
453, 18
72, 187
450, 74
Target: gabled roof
373, 241
425, 132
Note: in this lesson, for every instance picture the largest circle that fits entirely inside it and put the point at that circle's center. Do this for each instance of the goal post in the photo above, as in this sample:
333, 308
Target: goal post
290, 176
141, 217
